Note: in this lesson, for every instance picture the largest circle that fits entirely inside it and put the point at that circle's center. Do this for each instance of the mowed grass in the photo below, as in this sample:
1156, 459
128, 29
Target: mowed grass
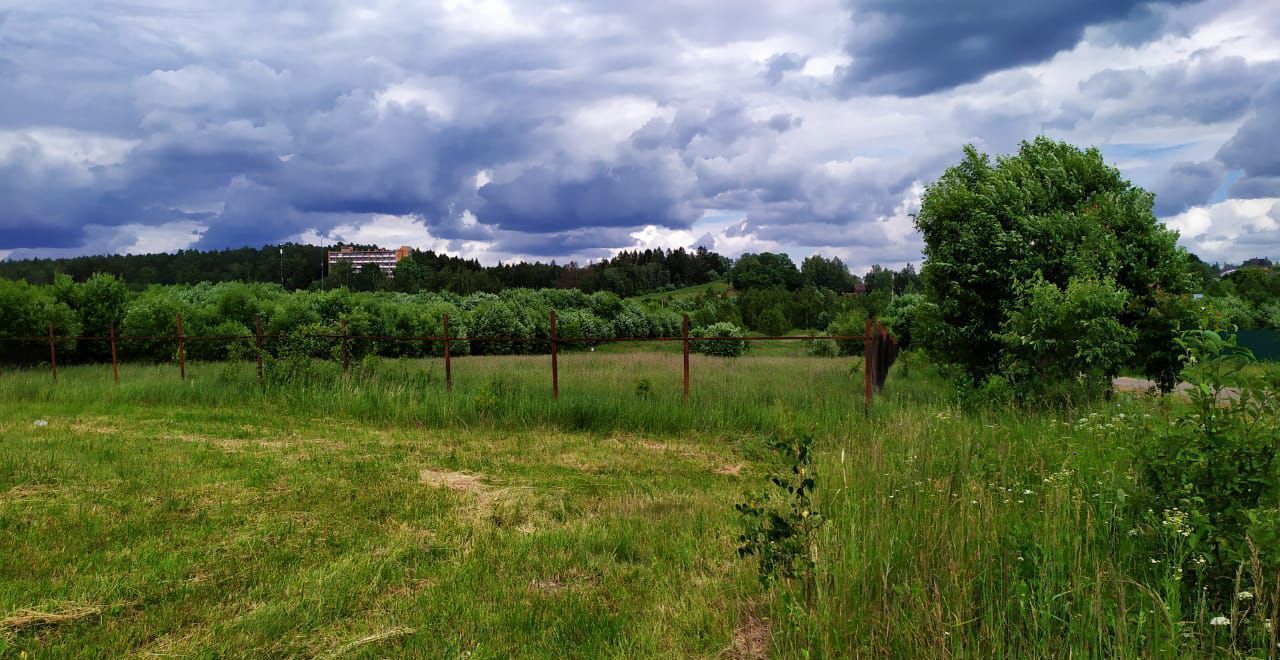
377, 515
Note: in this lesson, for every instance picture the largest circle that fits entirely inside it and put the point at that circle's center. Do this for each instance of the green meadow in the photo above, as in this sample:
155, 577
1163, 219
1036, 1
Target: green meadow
374, 514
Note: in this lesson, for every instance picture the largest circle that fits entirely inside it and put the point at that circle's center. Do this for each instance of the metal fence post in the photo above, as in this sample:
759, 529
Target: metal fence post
448, 366
182, 352
555, 366
115, 365
346, 354
685, 334
53, 353
257, 334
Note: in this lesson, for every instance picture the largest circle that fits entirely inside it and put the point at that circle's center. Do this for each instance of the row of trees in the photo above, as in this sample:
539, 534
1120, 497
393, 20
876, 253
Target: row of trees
92, 307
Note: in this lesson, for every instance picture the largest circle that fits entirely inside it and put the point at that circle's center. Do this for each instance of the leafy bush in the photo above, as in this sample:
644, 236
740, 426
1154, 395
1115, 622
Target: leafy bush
852, 324
1054, 336
821, 347
220, 349
721, 347
154, 313
100, 301
496, 319
778, 527
991, 392
773, 321
1216, 468
901, 317
311, 340
582, 328
27, 311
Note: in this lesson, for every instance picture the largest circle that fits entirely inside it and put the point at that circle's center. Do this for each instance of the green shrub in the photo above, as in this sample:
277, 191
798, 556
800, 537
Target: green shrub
773, 321
722, 347
220, 349
27, 311
778, 526
582, 328
901, 317
494, 318
853, 324
1065, 336
154, 313
1217, 466
821, 347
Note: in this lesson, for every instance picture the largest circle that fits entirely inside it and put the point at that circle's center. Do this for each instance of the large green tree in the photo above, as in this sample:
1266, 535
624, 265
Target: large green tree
758, 271
825, 273
1051, 211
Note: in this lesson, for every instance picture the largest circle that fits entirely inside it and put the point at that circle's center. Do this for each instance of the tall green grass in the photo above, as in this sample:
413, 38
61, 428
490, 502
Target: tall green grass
598, 391
987, 531
1004, 532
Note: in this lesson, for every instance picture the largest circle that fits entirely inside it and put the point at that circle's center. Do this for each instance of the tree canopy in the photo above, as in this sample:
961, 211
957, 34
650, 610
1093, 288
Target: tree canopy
1052, 215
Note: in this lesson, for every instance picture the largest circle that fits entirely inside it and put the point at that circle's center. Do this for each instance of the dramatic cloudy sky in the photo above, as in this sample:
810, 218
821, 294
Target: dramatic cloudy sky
505, 129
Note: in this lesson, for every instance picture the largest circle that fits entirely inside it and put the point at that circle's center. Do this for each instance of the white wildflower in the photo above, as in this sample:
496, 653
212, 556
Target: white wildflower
1245, 595
1219, 621
41, 422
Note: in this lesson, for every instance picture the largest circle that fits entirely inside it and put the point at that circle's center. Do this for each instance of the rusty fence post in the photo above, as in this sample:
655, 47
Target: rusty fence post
866, 368
879, 355
257, 335
115, 364
182, 352
685, 334
555, 365
53, 353
346, 353
448, 366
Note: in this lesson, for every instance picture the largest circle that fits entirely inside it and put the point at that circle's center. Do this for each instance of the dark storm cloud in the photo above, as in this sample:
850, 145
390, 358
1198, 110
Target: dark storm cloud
1185, 185
1253, 148
627, 194
916, 47
547, 130
1205, 90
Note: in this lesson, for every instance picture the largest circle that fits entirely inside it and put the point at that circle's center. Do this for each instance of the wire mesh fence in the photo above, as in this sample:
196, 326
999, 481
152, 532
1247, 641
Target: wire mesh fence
686, 362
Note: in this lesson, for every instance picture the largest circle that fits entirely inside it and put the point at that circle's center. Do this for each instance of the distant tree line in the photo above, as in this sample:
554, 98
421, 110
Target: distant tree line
302, 267
771, 296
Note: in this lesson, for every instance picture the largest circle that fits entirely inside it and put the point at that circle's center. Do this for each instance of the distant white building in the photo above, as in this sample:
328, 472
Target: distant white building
384, 259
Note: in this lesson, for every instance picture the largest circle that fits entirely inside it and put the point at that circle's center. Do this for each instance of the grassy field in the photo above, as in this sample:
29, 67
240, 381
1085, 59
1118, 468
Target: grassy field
718, 286
378, 516
381, 516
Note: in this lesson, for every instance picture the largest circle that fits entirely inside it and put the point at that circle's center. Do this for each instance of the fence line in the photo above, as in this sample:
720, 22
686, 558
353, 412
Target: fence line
879, 352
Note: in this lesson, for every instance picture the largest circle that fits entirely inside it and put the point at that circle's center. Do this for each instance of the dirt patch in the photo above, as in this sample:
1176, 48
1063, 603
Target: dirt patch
750, 641
731, 470
1143, 386
460, 482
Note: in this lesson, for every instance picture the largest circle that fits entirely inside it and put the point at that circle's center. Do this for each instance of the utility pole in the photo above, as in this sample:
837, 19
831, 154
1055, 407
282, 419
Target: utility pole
281, 267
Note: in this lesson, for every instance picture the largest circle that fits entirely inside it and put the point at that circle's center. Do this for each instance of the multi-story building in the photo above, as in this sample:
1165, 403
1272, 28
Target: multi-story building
384, 259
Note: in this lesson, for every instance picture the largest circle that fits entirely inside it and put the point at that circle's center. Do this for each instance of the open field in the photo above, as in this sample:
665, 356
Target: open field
718, 286
206, 517
382, 517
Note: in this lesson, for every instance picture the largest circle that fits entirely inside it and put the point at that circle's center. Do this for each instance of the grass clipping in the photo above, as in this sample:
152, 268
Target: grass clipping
368, 639
35, 618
